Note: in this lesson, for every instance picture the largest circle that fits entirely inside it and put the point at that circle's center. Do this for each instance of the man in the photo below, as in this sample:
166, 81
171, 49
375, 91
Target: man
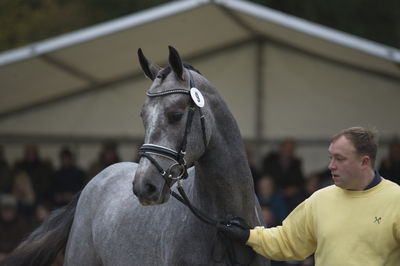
285, 168
356, 221
390, 166
68, 179
39, 170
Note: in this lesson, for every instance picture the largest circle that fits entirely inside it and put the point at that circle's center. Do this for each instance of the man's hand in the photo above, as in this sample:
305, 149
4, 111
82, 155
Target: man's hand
235, 228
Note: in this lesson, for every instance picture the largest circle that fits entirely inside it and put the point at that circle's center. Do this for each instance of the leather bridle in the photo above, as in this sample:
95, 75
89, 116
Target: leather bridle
178, 169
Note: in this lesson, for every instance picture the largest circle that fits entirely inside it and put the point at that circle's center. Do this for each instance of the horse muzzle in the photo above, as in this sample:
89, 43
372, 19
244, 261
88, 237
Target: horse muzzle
150, 188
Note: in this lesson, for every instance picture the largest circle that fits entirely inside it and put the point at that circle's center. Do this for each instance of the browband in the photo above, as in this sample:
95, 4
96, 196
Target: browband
162, 93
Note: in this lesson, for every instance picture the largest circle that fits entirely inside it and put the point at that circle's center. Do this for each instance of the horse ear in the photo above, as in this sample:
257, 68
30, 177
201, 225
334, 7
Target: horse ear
175, 62
149, 68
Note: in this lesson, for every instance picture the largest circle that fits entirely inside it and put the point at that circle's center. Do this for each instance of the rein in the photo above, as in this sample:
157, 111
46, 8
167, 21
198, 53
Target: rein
179, 163
182, 197
229, 245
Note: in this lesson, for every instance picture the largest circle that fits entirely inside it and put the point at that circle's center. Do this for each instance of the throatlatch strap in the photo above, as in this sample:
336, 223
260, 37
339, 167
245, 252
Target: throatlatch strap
187, 131
203, 128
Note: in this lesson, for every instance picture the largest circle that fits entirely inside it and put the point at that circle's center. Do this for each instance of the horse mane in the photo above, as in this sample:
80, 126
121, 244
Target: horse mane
165, 71
190, 67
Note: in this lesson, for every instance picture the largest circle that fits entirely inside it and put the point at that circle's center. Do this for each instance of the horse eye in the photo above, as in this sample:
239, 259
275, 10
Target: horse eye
174, 117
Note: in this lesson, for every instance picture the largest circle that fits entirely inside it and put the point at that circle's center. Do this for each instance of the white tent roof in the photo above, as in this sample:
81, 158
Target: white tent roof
104, 54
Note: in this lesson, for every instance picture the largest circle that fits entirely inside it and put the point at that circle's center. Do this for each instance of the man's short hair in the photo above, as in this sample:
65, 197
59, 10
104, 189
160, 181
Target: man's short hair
364, 141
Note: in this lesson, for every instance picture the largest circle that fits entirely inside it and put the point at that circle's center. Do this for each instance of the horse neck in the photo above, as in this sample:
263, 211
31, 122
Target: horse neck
223, 182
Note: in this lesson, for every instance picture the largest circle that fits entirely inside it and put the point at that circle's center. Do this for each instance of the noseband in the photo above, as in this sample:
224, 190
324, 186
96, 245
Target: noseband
178, 169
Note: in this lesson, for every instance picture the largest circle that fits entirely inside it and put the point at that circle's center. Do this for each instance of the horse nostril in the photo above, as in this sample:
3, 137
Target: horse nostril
150, 189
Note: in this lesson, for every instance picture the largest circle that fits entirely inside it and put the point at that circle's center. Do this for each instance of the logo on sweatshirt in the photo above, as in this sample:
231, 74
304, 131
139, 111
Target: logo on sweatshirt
377, 220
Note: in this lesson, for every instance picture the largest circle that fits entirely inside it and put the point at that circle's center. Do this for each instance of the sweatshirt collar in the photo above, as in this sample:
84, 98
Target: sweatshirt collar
377, 179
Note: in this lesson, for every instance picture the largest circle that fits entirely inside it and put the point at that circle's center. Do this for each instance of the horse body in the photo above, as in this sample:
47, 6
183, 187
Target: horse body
111, 227
118, 230
111, 230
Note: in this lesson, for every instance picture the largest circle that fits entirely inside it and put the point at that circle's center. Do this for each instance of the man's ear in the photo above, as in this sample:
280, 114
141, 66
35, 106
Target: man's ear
365, 161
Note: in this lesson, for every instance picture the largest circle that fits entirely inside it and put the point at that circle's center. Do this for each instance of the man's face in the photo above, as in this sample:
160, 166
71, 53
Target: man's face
345, 164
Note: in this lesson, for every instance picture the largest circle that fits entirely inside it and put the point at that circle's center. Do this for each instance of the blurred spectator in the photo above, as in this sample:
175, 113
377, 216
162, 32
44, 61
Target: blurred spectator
39, 171
268, 215
390, 166
42, 211
68, 179
324, 177
286, 170
311, 185
24, 194
108, 156
318, 180
13, 228
269, 197
5, 173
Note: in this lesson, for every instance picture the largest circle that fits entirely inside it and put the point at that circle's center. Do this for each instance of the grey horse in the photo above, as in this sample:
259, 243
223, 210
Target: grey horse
109, 225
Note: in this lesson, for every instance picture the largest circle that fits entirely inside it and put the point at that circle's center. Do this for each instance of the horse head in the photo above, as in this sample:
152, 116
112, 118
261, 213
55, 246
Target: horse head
176, 131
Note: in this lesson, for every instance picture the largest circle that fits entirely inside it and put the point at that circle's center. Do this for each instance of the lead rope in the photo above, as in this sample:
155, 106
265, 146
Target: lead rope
184, 199
230, 249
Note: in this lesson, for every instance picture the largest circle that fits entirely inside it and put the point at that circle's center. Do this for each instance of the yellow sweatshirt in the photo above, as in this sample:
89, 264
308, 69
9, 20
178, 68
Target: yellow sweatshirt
342, 228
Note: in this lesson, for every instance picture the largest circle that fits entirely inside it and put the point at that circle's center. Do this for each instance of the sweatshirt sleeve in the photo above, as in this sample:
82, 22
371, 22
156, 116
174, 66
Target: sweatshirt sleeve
294, 240
396, 230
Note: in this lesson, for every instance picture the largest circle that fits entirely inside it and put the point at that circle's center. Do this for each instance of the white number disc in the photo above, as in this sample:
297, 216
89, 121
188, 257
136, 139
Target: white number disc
197, 97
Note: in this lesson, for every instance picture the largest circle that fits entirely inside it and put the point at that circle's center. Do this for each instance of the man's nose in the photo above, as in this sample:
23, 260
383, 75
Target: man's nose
331, 165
